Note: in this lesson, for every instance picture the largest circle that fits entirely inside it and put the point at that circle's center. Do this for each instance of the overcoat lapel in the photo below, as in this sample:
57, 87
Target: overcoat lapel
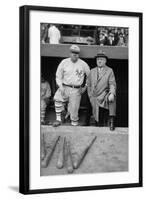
102, 73
97, 76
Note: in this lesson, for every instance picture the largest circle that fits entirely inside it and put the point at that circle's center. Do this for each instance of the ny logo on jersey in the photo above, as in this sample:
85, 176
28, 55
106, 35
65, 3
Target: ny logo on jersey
79, 73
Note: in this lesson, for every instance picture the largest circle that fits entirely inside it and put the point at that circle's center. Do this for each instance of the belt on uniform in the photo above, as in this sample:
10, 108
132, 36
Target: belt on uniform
72, 86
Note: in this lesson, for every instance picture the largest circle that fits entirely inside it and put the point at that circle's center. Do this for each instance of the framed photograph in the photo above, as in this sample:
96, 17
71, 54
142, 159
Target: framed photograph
80, 99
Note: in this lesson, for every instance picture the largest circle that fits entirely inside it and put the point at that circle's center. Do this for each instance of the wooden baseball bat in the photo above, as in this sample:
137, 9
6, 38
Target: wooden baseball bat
78, 159
60, 161
69, 158
50, 150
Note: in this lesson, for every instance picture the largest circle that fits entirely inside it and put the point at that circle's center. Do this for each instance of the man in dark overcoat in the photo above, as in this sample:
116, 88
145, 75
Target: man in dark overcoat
102, 89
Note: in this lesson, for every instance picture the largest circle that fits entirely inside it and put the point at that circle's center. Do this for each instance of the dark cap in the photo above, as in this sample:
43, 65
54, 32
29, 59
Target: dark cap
101, 54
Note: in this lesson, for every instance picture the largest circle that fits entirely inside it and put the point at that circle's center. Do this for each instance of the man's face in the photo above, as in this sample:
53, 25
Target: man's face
101, 61
102, 36
74, 56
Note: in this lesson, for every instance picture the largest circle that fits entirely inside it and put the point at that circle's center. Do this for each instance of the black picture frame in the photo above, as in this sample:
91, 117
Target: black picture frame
24, 137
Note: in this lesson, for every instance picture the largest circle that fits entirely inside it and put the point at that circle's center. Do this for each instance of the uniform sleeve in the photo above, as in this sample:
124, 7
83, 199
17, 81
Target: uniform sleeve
112, 83
59, 74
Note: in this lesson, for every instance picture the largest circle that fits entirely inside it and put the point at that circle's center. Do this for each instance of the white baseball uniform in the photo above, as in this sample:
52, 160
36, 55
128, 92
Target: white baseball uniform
71, 74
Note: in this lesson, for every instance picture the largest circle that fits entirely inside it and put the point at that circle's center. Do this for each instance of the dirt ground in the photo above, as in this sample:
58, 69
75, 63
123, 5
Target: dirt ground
109, 152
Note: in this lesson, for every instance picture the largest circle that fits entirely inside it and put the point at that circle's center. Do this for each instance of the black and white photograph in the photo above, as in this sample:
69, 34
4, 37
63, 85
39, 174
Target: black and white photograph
84, 99
80, 99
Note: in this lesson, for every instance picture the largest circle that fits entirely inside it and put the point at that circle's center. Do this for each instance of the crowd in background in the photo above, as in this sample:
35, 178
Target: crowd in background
112, 36
90, 35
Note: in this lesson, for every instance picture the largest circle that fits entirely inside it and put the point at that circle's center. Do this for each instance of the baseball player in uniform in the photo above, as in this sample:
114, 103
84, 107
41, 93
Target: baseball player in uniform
102, 89
69, 77
45, 95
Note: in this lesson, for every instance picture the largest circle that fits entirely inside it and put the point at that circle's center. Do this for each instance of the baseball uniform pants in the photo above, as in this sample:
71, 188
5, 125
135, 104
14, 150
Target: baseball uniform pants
73, 97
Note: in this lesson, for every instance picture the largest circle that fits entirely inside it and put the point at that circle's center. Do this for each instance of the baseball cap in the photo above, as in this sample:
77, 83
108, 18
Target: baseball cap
75, 49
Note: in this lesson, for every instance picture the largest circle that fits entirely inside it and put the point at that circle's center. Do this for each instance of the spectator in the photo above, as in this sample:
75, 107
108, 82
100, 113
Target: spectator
90, 40
76, 30
121, 41
44, 33
111, 39
126, 37
116, 36
122, 31
102, 39
54, 34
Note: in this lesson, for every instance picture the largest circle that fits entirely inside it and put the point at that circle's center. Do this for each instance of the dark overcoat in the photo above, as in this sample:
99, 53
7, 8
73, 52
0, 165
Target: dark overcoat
100, 85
